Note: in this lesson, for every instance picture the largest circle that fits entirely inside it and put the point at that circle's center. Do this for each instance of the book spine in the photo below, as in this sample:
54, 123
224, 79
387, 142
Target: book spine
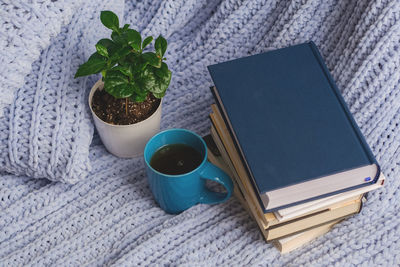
237, 147
342, 102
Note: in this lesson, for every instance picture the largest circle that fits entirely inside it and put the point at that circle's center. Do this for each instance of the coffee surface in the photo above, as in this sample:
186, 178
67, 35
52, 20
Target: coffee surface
176, 159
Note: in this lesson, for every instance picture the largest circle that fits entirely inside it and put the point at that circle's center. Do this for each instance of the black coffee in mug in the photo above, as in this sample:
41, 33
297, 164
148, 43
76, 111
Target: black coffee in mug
176, 159
176, 193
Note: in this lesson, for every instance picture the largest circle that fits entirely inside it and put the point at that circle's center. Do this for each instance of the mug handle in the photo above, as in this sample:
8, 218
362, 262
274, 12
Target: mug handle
213, 173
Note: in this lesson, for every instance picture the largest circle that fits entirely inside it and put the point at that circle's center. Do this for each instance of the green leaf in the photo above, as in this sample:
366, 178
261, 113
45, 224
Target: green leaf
125, 70
133, 58
152, 59
134, 39
138, 67
120, 53
117, 84
147, 41
145, 80
115, 77
148, 81
162, 79
159, 95
110, 20
126, 26
110, 45
95, 64
138, 98
163, 71
119, 39
162, 84
160, 46
102, 50
139, 95
142, 67
106, 43
120, 91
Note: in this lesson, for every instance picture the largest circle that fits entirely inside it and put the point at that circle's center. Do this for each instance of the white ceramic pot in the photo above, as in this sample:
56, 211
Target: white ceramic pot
125, 141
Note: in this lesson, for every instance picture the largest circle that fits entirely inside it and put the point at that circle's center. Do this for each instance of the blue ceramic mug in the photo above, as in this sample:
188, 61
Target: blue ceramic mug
176, 193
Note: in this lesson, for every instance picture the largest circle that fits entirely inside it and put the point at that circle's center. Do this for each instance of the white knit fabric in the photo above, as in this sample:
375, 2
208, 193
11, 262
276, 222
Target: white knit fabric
111, 218
27, 27
47, 129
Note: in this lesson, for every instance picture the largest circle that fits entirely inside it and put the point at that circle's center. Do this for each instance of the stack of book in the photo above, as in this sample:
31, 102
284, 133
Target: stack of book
286, 137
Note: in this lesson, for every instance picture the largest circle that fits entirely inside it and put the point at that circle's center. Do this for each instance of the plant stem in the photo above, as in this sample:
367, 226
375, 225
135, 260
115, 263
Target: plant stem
126, 106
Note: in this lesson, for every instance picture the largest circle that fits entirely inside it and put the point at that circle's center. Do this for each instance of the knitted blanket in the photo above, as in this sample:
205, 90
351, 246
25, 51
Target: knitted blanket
111, 218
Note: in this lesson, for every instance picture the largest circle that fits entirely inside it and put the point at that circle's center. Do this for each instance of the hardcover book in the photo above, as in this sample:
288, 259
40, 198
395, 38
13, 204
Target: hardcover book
291, 127
222, 144
287, 244
270, 227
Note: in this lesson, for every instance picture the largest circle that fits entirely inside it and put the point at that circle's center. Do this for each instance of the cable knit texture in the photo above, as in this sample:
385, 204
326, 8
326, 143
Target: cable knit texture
46, 131
26, 30
111, 218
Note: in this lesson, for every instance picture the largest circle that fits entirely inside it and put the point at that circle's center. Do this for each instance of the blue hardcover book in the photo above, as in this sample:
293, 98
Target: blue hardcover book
291, 126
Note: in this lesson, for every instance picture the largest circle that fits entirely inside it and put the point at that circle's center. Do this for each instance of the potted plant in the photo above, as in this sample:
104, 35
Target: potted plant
126, 101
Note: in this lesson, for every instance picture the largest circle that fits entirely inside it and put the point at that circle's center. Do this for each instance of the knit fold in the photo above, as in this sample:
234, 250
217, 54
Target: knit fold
110, 218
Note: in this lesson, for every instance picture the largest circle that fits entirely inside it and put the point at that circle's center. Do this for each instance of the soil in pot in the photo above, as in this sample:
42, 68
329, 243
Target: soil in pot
115, 111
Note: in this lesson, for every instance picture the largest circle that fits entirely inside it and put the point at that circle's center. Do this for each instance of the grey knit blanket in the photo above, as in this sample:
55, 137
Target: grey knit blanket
105, 214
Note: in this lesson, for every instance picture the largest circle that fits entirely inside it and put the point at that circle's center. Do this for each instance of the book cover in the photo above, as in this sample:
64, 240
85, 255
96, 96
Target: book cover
273, 229
288, 119
244, 193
